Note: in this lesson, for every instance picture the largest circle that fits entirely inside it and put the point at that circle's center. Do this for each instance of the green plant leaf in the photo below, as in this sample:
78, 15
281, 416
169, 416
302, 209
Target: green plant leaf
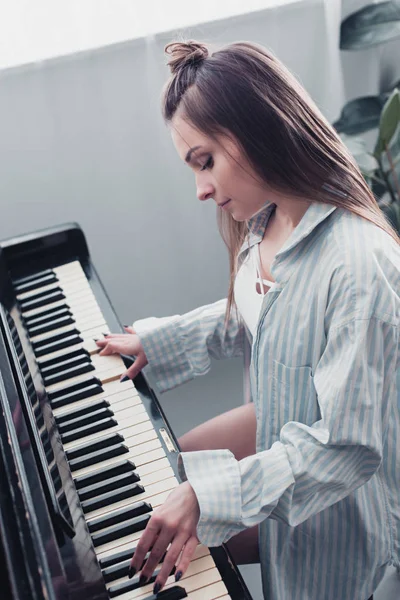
371, 25
361, 114
366, 161
390, 118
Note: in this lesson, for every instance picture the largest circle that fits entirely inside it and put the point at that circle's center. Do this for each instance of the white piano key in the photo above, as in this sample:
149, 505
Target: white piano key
72, 266
68, 286
166, 485
139, 460
200, 573
199, 552
147, 469
108, 391
105, 376
211, 592
125, 399
131, 427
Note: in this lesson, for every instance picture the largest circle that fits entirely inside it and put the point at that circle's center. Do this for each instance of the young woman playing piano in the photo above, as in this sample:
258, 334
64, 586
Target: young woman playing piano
306, 477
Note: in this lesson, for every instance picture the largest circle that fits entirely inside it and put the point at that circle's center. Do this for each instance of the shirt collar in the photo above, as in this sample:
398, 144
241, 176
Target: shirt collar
314, 215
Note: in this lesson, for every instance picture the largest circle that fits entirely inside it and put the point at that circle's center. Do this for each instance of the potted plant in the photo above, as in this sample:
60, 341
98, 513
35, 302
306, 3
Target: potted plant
373, 25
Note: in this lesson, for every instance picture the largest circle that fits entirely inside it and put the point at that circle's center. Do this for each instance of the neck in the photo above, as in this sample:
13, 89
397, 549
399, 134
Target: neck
289, 211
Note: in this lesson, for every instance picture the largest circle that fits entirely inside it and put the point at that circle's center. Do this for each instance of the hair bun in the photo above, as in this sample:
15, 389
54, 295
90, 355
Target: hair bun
185, 53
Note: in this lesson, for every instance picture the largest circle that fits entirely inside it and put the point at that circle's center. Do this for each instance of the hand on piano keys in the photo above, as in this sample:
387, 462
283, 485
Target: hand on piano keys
121, 472
174, 524
127, 344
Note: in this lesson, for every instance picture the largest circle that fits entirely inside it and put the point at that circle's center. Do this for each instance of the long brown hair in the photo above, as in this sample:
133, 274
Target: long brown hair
244, 89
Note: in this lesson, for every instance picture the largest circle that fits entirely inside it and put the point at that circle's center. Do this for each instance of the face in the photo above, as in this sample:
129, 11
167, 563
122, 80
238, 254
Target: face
221, 171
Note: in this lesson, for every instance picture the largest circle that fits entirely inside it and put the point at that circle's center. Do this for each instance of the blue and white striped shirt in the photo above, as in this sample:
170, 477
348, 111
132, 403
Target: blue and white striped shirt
324, 484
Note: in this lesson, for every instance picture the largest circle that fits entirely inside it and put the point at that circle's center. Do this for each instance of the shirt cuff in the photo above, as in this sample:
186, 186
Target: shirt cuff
165, 351
215, 478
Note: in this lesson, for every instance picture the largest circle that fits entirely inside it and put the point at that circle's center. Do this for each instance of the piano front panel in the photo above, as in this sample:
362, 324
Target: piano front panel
108, 433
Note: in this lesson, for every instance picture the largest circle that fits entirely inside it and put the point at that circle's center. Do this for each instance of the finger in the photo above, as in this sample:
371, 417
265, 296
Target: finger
147, 539
157, 552
112, 336
129, 329
186, 557
169, 562
138, 365
110, 348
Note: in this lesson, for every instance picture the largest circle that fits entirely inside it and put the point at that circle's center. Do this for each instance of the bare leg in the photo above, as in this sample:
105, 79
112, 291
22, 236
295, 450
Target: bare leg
236, 431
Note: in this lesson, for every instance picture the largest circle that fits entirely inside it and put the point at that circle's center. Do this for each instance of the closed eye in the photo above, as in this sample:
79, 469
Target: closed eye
208, 164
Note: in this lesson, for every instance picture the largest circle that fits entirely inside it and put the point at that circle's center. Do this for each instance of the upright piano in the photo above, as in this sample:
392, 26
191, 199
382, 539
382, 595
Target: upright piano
84, 459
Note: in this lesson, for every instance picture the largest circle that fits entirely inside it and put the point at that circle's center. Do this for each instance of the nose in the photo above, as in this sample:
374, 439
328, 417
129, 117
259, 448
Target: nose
205, 190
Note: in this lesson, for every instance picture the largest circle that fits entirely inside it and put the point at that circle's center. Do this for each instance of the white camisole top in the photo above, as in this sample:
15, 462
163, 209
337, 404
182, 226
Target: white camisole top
247, 298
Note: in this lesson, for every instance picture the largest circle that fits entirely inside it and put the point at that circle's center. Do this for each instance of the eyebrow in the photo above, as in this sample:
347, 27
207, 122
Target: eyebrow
188, 156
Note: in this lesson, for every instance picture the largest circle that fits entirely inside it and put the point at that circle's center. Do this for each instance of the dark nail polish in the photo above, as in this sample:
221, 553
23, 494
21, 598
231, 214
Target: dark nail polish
95, 339
143, 579
126, 378
156, 588
178, 575
131, 572
126, 325
105, 334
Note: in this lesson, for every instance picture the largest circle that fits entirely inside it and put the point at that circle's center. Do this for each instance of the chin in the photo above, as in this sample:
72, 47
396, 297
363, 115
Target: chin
240, 216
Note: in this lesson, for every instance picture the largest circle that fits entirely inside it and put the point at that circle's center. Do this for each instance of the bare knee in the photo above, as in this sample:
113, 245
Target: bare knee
234, 431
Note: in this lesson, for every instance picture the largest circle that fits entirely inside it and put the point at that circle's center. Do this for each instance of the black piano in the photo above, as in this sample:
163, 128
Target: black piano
84, 459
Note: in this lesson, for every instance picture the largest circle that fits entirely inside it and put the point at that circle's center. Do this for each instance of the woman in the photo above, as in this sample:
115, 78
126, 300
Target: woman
305, 478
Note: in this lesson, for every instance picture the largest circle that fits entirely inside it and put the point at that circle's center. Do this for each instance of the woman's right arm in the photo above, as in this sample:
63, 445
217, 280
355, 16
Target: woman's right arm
180, 347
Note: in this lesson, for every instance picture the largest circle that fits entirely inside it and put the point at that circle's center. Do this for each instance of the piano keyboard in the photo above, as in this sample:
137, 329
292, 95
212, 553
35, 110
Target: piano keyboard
120, 468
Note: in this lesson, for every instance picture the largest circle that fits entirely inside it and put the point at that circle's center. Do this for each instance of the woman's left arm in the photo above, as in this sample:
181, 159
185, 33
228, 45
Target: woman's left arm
307, 470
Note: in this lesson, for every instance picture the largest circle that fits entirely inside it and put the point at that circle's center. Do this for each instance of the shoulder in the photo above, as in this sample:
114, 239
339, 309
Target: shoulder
362, 263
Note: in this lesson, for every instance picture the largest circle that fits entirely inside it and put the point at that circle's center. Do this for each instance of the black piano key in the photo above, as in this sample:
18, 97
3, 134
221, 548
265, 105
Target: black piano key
61, 365
117, 571
50, 325
85, 419
110, 497
124, 466
89, 447
41, 299
47, 367
38, 282
65, 374
117, 516
91, 388
116, 558
71, 340
27, 278
47, 316
54, 337
86, 430
107, 485
67, 356
74, 387
129, 585
84, 410
96, 457
175, 592
120, 567
47, 313
121, 530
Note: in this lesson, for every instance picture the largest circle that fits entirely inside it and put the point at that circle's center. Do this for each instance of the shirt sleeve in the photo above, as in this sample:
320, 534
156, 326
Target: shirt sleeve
180, 347
310, 467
